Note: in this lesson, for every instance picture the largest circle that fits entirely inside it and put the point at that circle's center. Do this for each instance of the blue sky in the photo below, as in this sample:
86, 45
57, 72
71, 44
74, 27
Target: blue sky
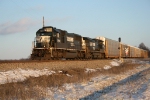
20, 19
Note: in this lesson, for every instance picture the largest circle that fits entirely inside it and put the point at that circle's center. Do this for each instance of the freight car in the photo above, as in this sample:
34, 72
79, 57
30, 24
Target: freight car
114, 48
111, 47
52, 43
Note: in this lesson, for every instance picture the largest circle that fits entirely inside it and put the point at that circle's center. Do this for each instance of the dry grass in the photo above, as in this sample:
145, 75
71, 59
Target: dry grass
36, 87
20, 91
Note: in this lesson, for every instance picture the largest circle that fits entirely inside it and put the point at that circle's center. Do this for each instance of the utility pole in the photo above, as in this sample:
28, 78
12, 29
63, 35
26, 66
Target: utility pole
119, 39
43, 21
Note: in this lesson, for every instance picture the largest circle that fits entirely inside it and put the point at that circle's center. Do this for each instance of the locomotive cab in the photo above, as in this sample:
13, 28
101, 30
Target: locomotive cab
45, 40
98, 45
46, 37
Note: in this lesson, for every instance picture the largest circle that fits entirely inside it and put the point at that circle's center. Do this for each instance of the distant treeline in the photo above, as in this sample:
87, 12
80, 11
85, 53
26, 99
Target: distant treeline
142, 46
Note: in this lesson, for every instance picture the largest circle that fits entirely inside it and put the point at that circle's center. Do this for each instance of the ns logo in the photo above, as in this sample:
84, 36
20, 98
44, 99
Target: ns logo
126, 51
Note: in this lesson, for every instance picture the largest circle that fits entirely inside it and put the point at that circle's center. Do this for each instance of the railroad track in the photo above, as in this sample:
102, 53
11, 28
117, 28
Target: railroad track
38, 61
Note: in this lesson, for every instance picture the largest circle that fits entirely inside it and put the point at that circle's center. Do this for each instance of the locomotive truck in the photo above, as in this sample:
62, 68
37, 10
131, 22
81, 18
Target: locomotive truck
52, 43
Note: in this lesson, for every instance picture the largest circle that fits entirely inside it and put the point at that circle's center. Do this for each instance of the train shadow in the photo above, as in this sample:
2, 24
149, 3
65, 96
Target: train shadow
98, 94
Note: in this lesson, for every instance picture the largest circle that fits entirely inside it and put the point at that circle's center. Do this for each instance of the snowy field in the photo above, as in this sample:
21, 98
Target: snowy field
18, 75
136, 87
133, 85
119, 87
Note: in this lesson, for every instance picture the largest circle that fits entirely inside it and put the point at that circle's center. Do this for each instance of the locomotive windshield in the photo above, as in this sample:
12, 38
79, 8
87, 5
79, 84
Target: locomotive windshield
44, 34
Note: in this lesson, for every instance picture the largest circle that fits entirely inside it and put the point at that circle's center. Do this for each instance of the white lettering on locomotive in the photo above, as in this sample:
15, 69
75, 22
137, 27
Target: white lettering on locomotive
70, 39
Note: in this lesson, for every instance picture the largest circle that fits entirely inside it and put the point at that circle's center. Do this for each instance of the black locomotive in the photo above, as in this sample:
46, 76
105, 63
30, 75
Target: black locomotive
51, 43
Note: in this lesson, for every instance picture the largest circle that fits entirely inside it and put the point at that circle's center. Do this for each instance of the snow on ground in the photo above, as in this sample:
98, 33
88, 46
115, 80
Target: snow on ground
136, 87
89, 70
21, 75
18, 75
107, 67
101, 87
98, 88
114, 62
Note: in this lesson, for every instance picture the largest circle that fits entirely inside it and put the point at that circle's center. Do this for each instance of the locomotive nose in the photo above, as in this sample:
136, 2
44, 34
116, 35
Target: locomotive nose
38, 39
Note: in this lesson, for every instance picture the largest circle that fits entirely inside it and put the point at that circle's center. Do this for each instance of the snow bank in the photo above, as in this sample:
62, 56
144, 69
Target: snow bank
106, 67
21, 75
88, 70
114, 62
69, 75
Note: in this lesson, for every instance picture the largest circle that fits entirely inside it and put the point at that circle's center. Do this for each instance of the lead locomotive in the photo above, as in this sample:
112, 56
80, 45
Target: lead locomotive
51, 43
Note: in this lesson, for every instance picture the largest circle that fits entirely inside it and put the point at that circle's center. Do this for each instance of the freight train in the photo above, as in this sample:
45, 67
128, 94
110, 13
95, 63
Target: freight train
52, 43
